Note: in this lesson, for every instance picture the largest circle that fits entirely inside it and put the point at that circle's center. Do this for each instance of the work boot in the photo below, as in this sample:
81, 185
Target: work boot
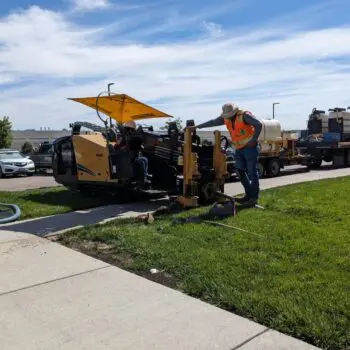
242, 199
251, 203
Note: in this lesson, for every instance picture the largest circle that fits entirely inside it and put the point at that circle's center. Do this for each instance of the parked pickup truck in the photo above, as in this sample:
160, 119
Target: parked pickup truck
42, 157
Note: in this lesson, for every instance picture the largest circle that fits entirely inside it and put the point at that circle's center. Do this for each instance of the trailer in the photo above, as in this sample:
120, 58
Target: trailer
335, 152
271, 163
278, 149
327, 141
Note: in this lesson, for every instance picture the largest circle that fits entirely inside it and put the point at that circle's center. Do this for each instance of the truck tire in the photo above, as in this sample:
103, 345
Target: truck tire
273, 167
315, 164
261, 169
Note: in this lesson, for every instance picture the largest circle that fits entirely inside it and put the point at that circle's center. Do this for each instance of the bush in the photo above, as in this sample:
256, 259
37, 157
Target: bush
27, 147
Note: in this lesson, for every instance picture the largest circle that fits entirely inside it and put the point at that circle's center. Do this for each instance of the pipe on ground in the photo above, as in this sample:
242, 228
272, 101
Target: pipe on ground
16, 213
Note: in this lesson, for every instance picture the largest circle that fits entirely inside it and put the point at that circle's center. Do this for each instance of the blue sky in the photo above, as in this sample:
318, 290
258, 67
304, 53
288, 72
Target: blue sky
185, 57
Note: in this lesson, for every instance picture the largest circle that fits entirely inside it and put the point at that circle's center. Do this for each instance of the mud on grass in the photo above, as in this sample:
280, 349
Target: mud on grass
107, 253
295, 279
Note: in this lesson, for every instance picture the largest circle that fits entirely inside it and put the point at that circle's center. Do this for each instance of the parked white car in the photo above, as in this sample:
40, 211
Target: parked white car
13, 162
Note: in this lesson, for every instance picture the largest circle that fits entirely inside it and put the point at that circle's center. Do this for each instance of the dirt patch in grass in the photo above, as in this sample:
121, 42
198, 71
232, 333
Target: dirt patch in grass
121, 259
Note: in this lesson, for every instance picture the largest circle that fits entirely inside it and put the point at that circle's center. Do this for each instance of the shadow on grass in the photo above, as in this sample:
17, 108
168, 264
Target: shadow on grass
80, 201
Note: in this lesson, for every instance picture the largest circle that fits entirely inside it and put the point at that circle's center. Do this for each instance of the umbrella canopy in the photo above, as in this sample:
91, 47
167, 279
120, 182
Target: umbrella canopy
122, 108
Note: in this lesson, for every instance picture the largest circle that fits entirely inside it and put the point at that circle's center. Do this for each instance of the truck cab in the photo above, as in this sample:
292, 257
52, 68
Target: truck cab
42, 157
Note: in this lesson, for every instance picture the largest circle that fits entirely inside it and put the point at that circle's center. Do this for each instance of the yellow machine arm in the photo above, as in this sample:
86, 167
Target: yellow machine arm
189, 198
191, 175
219, 160
121, 107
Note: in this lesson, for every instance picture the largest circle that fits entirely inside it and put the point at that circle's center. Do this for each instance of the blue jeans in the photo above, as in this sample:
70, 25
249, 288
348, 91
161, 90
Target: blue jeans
141, 170
247, 165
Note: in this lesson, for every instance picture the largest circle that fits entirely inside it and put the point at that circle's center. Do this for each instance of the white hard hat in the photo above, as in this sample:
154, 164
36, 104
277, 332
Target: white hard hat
130, 124
229, 110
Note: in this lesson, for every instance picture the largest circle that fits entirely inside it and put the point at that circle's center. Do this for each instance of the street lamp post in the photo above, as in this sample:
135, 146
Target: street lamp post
273, 109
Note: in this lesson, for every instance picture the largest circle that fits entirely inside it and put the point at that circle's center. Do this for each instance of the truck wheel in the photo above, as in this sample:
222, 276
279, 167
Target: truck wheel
273, 167
261, 169
315, 164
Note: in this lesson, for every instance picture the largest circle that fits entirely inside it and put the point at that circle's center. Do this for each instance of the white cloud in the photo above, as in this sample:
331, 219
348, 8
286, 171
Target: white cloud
213, 29
90, 4
191, 78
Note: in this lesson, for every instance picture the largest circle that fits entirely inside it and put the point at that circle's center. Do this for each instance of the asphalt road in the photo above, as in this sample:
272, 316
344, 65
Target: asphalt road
290, 175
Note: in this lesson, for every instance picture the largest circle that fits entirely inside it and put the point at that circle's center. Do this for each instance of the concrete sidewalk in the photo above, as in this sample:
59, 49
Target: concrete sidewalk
52, 298
293, 175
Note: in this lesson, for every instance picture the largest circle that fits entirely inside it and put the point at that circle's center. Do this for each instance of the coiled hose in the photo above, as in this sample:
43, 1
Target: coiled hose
11, 213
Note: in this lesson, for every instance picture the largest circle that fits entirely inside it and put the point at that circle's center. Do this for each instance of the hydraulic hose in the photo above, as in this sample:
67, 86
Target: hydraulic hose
10, 207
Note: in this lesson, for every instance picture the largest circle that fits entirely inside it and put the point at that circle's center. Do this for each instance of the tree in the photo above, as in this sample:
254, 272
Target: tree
5, 132
27, 147
177, 120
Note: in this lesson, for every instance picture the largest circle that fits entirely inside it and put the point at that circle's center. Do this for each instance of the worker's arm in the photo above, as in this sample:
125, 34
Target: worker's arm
250, 119
211, 123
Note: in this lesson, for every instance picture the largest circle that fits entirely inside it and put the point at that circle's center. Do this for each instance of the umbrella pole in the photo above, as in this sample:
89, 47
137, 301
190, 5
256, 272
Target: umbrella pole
109, 94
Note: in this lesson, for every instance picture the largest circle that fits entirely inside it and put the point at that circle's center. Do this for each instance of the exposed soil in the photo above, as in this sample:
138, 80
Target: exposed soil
105, 253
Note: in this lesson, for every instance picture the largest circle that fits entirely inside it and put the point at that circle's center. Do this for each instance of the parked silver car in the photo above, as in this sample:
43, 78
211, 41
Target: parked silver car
12, 162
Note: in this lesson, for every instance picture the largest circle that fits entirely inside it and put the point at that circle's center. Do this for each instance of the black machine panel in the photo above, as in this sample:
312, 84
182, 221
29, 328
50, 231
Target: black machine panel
315, 126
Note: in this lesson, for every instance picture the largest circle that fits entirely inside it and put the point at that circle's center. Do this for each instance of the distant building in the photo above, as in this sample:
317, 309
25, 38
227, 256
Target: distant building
35, 137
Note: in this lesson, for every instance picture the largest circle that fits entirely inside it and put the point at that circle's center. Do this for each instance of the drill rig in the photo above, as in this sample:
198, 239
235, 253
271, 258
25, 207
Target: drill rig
89, 162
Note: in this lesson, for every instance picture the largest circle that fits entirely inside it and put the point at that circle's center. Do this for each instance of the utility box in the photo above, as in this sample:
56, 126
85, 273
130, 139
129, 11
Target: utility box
289, 139
339, 122
318, 122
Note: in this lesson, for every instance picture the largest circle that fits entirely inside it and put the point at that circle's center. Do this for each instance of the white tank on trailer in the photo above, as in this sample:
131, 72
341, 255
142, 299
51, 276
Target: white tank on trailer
270, 137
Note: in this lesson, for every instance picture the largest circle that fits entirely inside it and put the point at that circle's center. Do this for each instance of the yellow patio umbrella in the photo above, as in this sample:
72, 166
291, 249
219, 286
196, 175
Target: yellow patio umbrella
122, 107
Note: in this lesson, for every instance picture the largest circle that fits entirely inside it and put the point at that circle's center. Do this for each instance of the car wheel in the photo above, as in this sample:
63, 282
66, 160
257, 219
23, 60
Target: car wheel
2, 175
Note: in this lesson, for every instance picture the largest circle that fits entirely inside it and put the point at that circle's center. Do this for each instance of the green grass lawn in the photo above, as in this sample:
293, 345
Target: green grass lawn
295, 279
49, 201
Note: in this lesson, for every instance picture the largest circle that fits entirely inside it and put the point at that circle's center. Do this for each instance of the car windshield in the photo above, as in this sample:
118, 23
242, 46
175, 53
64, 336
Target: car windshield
10, 155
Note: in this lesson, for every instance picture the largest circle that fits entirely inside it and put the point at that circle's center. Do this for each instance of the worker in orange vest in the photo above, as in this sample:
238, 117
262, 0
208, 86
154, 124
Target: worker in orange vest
244, 129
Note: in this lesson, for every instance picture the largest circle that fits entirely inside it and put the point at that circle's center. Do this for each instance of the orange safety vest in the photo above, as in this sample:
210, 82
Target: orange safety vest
240, 132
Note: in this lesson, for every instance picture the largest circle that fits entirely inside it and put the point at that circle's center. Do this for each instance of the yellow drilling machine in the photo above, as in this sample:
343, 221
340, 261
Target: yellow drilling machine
106, 158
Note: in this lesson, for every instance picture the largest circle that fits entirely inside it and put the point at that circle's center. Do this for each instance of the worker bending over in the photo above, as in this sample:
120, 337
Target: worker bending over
244, 129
